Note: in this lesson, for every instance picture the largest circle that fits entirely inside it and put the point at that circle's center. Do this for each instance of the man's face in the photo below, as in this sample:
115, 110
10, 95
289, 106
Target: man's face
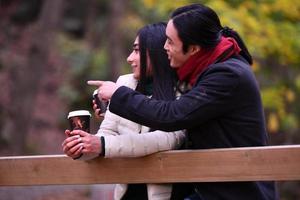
173, 46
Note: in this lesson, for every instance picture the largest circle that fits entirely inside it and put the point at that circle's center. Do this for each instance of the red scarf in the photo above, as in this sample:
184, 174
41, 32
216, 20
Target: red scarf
198, 62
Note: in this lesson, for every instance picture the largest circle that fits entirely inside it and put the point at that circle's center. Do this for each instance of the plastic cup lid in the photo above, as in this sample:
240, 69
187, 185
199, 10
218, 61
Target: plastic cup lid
79, 113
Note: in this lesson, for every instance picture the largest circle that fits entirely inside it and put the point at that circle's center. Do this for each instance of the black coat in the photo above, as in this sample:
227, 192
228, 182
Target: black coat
222, 110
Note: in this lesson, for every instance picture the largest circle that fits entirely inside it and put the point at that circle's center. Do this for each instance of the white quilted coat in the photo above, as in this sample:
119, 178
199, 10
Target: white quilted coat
135, 140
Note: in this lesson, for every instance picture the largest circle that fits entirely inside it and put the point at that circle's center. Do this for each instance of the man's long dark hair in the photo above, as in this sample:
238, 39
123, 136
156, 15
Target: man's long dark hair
200, 25
151, 41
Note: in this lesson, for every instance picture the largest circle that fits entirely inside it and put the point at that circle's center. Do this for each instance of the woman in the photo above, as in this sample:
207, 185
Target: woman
120, 137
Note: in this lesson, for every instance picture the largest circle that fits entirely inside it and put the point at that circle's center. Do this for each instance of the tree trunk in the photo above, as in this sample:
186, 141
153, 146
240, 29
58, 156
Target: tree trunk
26, 73
116, 57
92, 35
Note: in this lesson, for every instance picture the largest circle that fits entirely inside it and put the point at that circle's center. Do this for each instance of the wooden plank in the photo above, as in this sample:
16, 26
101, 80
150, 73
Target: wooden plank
236, 164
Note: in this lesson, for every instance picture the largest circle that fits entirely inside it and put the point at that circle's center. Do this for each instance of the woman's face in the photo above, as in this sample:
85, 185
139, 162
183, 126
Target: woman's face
134, 59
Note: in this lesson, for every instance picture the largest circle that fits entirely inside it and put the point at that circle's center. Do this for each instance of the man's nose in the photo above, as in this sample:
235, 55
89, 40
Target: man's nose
166, 46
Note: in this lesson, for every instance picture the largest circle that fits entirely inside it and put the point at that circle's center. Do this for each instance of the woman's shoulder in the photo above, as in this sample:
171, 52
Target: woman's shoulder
126, 77
127, 80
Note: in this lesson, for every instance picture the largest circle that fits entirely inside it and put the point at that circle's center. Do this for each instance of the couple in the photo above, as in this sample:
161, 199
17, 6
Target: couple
219, 106
119, 137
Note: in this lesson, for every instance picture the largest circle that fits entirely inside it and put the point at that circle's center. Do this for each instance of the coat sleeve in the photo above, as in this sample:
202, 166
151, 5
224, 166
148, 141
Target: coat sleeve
135, 145
210, 98
109, 125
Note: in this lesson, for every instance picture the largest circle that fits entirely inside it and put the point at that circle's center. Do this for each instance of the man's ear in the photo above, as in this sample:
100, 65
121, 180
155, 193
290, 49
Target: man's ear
193, 49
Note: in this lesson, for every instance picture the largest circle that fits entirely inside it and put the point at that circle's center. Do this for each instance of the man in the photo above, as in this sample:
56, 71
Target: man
220, 106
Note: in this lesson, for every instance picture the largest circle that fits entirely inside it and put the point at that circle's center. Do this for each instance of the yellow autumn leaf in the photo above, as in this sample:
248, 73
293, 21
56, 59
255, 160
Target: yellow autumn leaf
273, 123
290, 96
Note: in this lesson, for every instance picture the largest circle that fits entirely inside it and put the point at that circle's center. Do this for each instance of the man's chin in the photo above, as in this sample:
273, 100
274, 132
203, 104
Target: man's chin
174, 65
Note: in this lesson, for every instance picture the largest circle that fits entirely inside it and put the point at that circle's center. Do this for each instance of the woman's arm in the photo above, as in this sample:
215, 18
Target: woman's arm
131, 144
135, 145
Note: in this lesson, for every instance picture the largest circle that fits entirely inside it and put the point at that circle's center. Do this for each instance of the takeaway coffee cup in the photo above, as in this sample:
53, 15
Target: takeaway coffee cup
79, 120
100, 104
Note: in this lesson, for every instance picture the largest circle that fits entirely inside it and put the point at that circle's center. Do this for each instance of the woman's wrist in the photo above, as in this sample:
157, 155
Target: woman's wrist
102, 146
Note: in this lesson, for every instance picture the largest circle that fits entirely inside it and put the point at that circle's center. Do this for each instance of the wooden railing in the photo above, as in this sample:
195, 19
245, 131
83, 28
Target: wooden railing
236, 164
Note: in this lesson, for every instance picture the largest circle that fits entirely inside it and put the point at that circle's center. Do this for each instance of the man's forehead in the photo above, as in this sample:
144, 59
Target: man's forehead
171, 31
169, 25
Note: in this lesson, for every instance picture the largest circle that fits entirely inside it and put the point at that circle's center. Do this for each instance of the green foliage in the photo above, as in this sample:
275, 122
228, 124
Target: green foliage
98, 64
164, 8
82, 62
271, 31
273, 99
290, 123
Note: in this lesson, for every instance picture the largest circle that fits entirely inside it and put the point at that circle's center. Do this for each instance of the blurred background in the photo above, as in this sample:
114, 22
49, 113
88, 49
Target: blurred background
50, 48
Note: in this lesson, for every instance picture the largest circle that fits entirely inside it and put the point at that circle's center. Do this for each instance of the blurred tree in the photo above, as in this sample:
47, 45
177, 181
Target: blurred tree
30, 53
114, 36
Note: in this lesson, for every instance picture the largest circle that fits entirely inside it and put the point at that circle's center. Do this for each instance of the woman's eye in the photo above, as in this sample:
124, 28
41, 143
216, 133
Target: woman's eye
136, 50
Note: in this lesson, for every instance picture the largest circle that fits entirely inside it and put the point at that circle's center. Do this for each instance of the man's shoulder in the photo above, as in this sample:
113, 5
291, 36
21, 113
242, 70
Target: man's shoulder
233, 65
230, 71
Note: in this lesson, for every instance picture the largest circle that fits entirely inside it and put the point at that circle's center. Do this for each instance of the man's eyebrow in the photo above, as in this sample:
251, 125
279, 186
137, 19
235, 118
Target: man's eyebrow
169, 38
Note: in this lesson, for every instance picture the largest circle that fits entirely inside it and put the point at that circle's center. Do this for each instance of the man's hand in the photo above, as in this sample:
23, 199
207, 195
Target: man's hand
105, 88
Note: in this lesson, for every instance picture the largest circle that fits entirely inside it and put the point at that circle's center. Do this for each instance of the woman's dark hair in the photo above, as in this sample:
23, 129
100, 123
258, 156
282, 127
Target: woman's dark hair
151, 42
200, 25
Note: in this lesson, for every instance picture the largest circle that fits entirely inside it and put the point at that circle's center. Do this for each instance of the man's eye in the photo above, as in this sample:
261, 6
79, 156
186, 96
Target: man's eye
168, 41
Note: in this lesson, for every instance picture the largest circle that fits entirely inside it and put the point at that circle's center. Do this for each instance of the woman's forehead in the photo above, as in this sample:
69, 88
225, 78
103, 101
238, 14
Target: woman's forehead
136, 41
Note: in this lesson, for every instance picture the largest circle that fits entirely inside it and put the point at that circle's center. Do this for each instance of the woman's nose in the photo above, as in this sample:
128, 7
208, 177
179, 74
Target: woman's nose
129, 58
